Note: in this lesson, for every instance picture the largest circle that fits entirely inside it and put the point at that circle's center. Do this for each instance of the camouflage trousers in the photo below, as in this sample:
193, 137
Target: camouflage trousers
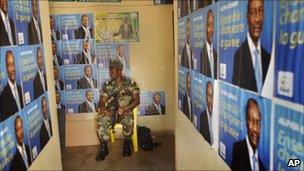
104, 125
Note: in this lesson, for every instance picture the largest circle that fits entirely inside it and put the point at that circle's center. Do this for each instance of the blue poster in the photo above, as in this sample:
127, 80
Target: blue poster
8, 33
82, 101
28, 71
10, 139
152, 103
289, 76
238, 34
107, 52
185, 92
80, 77
60, 100
23, 16
288, 138
55, 27
244, 123
72, 26
58, 60
59, 78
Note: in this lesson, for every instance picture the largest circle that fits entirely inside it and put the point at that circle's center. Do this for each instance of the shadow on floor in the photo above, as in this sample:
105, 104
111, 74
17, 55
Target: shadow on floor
83, 158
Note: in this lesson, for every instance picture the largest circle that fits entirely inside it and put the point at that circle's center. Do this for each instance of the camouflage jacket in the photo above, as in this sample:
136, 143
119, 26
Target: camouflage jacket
116, 97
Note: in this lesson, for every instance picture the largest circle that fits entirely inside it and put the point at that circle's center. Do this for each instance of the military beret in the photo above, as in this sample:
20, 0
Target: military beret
116, 64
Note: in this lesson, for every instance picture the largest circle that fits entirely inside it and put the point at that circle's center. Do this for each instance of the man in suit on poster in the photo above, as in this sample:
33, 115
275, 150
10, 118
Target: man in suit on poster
40, 85
46, 127
11, 96
186, 58
57, 60
34, 27
121, 56
156, 107
87, 82
251, 60
84, 31
55, 34
58, 98
125, 29
187, 102
245, 152
7, 31
59, 85
89, 105
206, 116
22, 159
208, 54
85, 56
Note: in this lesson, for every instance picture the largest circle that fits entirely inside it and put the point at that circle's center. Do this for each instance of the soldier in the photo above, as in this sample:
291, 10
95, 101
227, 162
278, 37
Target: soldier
118, 98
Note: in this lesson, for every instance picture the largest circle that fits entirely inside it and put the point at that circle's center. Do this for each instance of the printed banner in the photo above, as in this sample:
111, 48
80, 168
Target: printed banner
82, 101
289, 76
117, 27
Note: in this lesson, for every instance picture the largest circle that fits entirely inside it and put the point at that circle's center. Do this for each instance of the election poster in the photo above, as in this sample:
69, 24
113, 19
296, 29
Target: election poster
289, 76
244, 126
288, 138
76, 26
152, 103
82, 101
245, 42
110, 51
117, 27
14, 133
55, 27
80, 77
8, 33
185, 92
59, 78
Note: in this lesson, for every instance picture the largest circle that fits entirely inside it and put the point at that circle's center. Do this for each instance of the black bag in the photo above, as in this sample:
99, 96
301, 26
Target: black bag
144, 138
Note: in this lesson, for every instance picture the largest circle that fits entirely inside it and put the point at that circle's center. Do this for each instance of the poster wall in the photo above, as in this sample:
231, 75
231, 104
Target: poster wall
248, 44
25, 120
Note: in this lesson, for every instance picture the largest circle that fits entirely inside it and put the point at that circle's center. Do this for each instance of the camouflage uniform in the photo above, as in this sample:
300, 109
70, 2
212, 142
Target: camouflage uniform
115, 98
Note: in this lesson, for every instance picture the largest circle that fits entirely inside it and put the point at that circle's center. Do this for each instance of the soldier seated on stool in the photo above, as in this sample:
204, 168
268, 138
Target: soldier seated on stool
118, 98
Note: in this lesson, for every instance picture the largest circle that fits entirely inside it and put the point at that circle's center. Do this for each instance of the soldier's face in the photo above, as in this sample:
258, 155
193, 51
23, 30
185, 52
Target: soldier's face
88, 72
210, 27
253, 122
10, 67
40, 59
57, 98
54, 48
85, 21
156, 99
89, 96
3, 6
209, 97
86, 47
19, 131
114, 73
255, 19
44, 108
56, 73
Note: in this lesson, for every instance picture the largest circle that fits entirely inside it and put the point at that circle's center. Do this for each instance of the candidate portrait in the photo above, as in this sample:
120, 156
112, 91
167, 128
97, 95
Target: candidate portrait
11, 96
55, 34
208, 53
40, 85
89, 105
85, 56
251, 60
206, 116
84, 31
156, 108
87, 82
59, 85
7, 25
22, 158
34, 27
187, 52
187, 101
245, 154
46, 127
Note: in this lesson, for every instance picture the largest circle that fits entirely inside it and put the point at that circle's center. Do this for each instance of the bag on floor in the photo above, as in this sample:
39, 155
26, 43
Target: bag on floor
144, 138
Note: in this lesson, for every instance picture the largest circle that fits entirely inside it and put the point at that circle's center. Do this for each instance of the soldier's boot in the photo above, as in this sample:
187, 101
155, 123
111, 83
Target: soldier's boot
127, 148
103, 151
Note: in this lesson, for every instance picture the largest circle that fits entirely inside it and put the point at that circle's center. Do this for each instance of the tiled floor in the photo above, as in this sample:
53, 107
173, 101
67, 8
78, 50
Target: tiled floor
83, 158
